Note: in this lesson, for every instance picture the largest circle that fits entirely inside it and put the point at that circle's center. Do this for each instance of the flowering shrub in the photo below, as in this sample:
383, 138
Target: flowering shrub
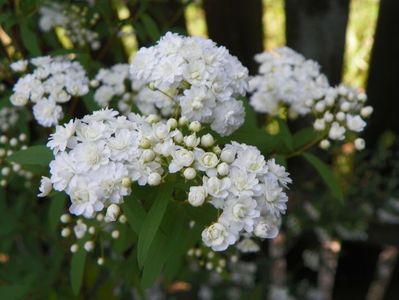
147, 164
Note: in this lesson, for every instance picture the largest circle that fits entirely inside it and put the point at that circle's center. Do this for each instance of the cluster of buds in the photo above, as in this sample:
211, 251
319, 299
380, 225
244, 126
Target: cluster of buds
7, 147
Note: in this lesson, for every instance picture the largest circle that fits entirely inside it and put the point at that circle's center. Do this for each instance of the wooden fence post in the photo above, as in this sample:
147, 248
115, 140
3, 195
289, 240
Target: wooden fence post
237, 25
382, 85
317, 29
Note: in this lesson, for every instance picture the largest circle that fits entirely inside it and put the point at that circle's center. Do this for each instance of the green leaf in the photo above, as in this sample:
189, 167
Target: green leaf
35, 155
77, 270
150, 27
56, 209
152, 221
325, 172
13, 292
29, 39
134, 213
285, 134
304, 136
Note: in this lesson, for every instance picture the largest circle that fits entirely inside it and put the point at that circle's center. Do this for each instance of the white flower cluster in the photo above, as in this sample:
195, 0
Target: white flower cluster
8, 118
52, 82
73, 19
98, 157
112, 83
203, 81
248, 189
342, 110
286, 78
115, 84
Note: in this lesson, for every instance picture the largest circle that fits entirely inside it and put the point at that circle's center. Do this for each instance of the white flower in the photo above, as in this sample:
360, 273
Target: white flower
218, 237
250, 159
278, 172
47, 113
181, 158
273, 199
336, 132
217, 188
206, 161
84, 200
244, 183
63, 137
197, 195
45, 187
355, 123
91, 155
267, 228
197, 104
240, 213
19, 66
228, 117
248, 245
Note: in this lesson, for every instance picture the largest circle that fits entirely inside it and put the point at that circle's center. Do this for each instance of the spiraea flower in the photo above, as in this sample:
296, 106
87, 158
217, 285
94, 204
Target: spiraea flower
286, 78
288, 81
73, 19
201, 82
52, 82
99, 156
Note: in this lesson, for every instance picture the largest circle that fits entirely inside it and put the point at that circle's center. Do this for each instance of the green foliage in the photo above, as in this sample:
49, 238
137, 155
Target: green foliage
325, 173
34, 155
78, 263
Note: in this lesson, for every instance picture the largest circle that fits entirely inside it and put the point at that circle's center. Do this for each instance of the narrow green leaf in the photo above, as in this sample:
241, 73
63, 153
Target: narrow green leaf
134, 213
285, 134
56, 209
35, 155
325, 172
151, 27
77, 270
29, 39
152, 221
13, 292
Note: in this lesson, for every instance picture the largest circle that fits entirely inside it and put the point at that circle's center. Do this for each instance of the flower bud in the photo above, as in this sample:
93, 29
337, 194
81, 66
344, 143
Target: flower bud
345, 106
172, 123
80, 230
88, 246
366, 111
112, 214
189, 173
65, 218
228, 155
191, 141
183, 121
319, 124
115, 234
207, 140
5, 171
100, 261
122, 219
100, 217
178, 137
145, 143
154, 179
328, 117
265, 230
13, 142
65, 232
325, 144
148, 155
320, 106
340, 116
217, 150
74, 248
360, 144
152, 119
197, 195
92, 230
195, 126
3, 139
223, 169
126, 182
